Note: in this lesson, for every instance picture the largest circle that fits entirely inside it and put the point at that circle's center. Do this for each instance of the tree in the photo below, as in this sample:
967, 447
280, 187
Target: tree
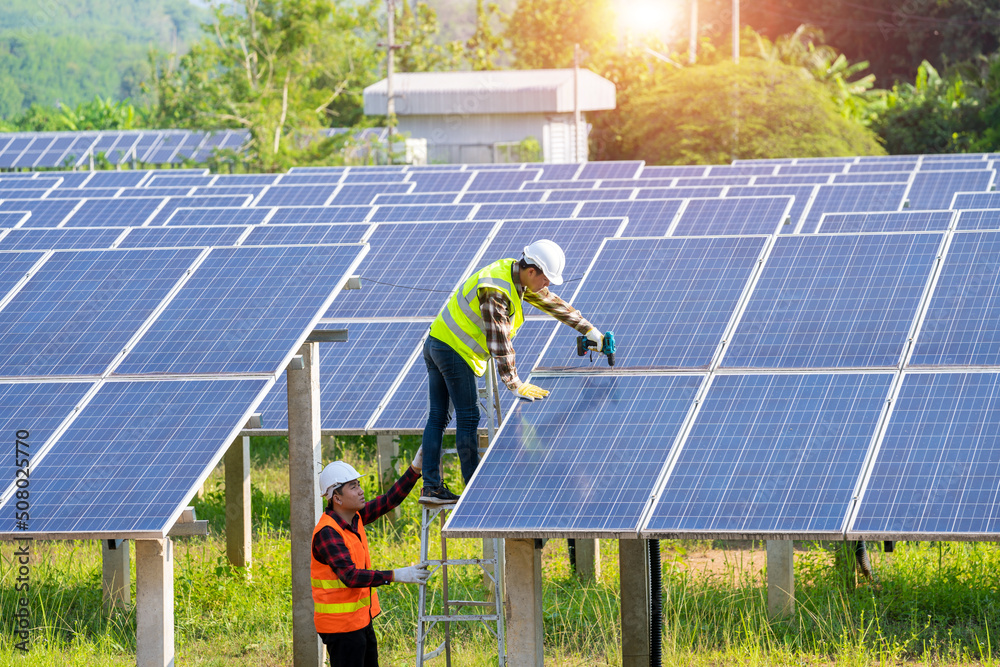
542, 32
483, 49
416, 33
757, 109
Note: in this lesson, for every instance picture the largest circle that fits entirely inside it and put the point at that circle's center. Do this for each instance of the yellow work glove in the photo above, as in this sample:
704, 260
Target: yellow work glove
530, 392
597, 338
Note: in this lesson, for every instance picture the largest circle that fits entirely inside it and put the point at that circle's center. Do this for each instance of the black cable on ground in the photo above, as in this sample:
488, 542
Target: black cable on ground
655, 605
864, 562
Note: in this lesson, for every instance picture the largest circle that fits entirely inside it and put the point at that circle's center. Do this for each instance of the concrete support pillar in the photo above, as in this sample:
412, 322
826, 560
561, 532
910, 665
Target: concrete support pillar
633, 564
238, 530
388, 449
116, 578
588, 559
154, 603
780, 578
523, 590
304, 465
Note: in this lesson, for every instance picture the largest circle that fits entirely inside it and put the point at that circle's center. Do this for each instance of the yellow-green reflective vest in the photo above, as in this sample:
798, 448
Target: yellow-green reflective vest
460, 324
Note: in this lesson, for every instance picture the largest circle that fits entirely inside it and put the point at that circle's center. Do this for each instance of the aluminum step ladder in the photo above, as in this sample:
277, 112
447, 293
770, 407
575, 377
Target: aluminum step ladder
491, 565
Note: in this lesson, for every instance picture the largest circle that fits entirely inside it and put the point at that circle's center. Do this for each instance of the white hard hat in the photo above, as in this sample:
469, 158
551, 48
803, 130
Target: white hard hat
547, 256
334, 475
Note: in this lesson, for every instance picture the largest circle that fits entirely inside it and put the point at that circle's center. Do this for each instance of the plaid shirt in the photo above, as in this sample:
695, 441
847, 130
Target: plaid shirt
329, 548
495, 309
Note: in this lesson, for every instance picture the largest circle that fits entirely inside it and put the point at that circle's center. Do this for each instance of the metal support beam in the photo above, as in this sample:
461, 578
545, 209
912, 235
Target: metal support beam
780, 578
388, 449
115, 578
154, 603
633, 564
523, 590
238, 530
588, 559
304, 452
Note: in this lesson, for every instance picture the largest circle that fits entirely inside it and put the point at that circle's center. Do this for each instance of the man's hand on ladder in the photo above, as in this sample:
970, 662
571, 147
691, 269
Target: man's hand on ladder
415, 574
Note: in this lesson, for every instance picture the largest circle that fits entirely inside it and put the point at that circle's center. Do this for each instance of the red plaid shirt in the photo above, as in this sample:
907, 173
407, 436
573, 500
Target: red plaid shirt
328, 546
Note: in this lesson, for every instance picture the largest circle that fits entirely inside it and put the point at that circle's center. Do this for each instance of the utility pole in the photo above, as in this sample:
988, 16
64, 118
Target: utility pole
693, 37
576, 103
390, 100
736, 32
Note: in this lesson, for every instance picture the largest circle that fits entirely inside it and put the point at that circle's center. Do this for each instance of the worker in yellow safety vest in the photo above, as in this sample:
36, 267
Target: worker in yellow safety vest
343, 581
480, 321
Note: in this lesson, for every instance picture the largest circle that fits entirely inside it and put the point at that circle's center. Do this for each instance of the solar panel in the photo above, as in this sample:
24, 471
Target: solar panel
893, 221
76, 314
648, 217
13, 151
772, 454
528, 211
733, 215
337, 170
974, 219
501, 197
877, 177
882, 166
834, 302
934, 190
355, 376
133, 212
182, 237
77, 193
159, 180
116, 179
60, 239
319, 214
349, 195
14, 267
961, 324
967, 200
793, 180
626, 169
800, 169
252, 190
44, 212
322, 178
297, 195
673, 309
851, 199
432, 198
671, 171
13, 218
38, 408
306, 234
33, 152
580, 185
174, 203
739, 170
134, 456
583, 461
935, 471
273, 296
555, 172
422, 213
218, 216
595, 195
380, 176
56, 155
73, 179
424, 285
222, 180
27, 183
672, 193
451, 181
712, 181
802, 194
945, 165
501, 180
407, 407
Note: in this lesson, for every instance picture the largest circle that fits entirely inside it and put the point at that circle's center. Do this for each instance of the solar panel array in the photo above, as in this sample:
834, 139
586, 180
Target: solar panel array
784, 327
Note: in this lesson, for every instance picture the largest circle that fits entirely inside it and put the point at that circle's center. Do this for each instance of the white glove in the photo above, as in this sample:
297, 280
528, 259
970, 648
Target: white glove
418, 459
415, 574
597, 337
530, 392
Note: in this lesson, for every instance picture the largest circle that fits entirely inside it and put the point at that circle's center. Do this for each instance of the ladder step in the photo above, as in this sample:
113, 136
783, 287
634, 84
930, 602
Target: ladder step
460, 617
472, 603
462, 561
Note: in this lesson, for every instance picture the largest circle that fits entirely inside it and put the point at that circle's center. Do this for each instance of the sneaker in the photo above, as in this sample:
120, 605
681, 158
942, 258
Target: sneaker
440, 495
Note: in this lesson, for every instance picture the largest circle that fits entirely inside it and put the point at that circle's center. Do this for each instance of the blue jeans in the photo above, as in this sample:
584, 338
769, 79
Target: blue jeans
450, 382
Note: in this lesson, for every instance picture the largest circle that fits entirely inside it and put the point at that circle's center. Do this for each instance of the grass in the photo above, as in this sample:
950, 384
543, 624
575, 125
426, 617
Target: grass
933, 604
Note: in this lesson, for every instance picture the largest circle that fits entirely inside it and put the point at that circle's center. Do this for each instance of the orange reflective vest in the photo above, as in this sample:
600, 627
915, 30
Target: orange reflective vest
337, 608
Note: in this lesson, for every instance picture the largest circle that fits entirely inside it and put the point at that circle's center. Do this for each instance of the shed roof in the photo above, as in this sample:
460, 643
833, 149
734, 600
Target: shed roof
491, 92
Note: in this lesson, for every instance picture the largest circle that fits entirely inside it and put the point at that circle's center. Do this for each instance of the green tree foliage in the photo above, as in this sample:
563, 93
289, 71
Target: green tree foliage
542, 32
416, 33
712, 114
484, 48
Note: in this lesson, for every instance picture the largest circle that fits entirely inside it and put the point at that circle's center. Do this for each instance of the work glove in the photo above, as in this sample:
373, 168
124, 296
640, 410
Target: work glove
597, 337
418, 459
530, 392
415, 574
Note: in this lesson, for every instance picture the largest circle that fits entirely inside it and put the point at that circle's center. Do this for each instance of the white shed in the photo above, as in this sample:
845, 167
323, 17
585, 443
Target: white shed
484, 116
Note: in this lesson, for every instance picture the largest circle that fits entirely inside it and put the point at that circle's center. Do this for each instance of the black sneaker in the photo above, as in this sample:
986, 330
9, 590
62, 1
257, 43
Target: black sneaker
439, 495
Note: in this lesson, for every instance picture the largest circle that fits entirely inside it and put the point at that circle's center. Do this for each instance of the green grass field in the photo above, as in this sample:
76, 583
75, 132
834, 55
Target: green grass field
934, 604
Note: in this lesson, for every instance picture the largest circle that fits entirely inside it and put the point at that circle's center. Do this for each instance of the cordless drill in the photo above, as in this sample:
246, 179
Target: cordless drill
584, 344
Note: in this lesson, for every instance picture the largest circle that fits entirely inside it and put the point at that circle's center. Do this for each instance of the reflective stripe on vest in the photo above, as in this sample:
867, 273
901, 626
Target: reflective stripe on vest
460, 324
336, 606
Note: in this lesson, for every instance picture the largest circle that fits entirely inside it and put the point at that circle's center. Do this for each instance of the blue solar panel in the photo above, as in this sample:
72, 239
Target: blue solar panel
883, 166
174, 203
527, 211
592, 195
44, 212
610, 170
935, 473
712, 181
934, 190
77, 193
56, 155
802, 194
896, 221
306, 234
244, 179
134, 456
74, 316
380, 176
422, 213
435, 276
252, 190
501, 197
25, 193
297, 195
501, 180
180, 237
14, 266
317, 179
355, 376
115, 179
673, 308
556, 172
739, 170
962, 324
354, 195
272, 297
60, 239
39, 409
432, 198
670, 171
792, 180
10, 219
772, 454
948, 165
852, 199
27, 183
878, 177
584, 460
834, 302
319, 214
72, 179
450, 181
160, 180
800, 169
733, 215
334, 170
218, 216
582, 185
967, 200
672, 193
979, 219
407, 407
133, 212
648, 217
